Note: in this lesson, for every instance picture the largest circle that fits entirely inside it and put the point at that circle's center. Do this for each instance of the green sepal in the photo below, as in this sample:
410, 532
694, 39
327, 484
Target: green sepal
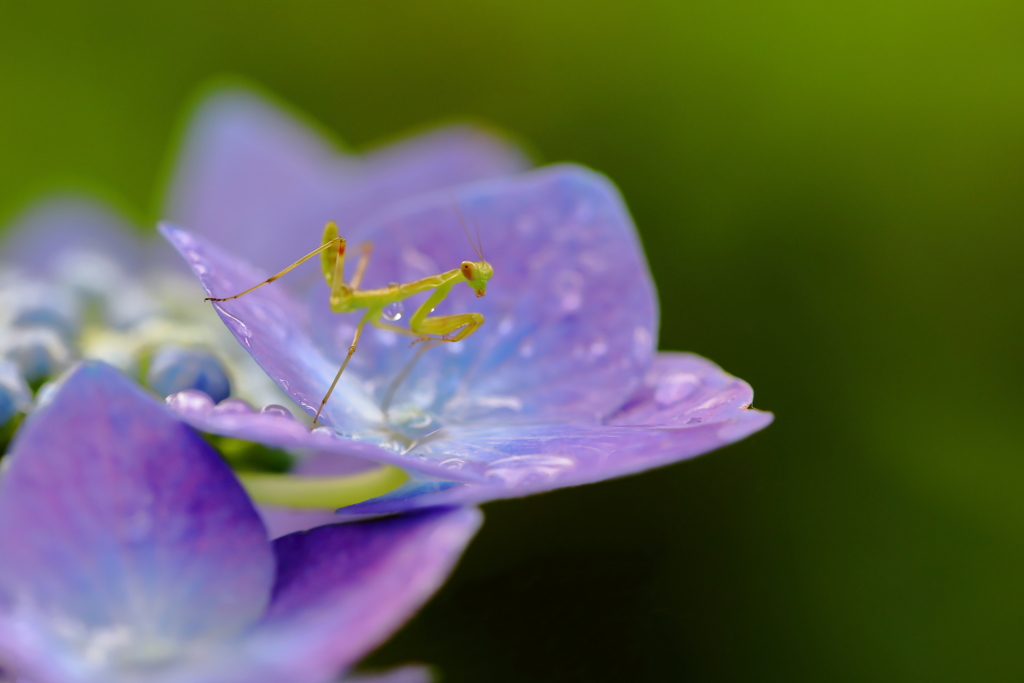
321, 492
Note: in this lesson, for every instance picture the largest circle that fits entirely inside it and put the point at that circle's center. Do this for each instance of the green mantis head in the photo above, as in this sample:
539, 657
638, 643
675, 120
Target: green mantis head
477, 273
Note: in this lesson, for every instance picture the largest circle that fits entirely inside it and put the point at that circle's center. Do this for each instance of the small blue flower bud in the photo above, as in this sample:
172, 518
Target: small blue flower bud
39, 352
37, 305
8, 406
15, 396
45, 317
175, 368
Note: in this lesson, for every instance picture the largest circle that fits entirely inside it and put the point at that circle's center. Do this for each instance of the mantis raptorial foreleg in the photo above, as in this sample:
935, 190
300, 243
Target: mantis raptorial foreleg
442, 325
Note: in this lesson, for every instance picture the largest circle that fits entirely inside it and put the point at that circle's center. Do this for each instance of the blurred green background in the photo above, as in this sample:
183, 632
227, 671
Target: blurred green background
832, 197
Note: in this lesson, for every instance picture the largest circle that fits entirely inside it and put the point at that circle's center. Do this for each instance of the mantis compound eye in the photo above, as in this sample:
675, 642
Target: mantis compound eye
468, 270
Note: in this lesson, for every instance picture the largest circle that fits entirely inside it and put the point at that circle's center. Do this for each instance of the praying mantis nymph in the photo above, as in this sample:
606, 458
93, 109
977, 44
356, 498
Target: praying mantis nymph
347, 297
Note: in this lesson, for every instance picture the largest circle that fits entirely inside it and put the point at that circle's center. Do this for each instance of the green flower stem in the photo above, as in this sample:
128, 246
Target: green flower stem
321, 492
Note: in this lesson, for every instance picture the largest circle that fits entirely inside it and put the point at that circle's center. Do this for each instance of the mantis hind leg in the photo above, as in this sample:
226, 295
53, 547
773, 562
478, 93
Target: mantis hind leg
351, 351
337, 242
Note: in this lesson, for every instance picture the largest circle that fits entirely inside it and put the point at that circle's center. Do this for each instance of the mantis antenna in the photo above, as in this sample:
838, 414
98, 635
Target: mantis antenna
478, 249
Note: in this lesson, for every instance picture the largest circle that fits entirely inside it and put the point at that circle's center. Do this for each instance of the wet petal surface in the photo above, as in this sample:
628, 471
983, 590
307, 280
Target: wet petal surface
664, 422
571, 313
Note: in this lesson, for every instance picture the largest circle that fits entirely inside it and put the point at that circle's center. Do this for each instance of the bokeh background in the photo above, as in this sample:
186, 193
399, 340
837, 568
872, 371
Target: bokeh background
832, 198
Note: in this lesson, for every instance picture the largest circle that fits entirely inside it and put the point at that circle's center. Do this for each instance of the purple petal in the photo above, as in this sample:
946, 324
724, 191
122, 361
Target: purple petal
571, 311
69, 224
281, 521
236, 420
687, 406
116, 518
254, 178
342, 589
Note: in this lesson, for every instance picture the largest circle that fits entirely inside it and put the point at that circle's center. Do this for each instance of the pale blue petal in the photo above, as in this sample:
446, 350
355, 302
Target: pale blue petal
124, 536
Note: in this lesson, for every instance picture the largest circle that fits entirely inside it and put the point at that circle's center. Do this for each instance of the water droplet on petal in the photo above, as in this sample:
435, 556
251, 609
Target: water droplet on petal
235, 325
411, 421
189, 401
568, 289
675, 388
233, 406
278, 410
518, 470
393, 311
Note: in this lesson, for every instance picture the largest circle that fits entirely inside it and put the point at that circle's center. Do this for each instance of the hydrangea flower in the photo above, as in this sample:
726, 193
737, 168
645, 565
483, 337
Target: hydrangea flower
76, 281
131, 553
561, 387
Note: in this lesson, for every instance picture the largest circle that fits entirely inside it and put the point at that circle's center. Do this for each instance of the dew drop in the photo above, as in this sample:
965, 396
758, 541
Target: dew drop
233, 406
568, 286
393, 311
236, 325
278, 410
189, 400
453, 463
675, 388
